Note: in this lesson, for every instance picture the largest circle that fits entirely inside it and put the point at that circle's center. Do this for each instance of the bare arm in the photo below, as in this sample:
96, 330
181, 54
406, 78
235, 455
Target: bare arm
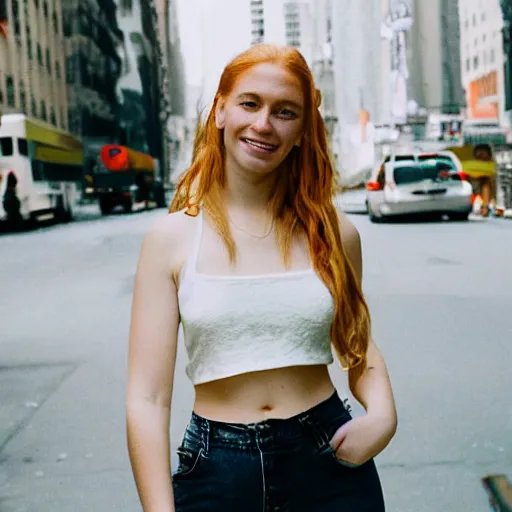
373, 388
152, 356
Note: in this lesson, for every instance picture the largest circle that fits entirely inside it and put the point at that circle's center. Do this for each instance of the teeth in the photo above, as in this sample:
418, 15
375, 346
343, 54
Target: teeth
259, 144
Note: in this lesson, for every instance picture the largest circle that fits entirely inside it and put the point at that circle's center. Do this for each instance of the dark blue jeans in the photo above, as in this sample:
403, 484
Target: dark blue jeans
284, 465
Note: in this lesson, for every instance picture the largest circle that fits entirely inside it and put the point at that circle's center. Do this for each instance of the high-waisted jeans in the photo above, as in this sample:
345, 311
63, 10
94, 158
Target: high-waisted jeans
284, 465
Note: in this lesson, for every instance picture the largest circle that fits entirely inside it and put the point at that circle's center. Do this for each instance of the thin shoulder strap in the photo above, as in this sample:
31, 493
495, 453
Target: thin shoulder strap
191, 265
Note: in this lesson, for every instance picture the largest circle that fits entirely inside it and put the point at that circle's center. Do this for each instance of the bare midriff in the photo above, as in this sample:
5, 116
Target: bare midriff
258, 396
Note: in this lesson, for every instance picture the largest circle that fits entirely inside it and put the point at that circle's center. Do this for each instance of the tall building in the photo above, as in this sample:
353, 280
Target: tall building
176, 124
133, 116
93, 67
32, 60
257, 22
322, 61
506, 9
357, 64
299, 22
434, 57
284, 22
482, 58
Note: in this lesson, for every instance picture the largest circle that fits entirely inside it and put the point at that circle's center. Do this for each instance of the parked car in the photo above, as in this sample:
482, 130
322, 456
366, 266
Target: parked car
419, 183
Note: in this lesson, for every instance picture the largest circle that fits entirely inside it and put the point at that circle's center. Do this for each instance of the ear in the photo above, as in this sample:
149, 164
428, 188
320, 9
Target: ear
220, 114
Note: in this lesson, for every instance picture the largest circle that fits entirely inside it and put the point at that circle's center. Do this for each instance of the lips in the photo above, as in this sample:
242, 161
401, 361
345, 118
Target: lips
257, 144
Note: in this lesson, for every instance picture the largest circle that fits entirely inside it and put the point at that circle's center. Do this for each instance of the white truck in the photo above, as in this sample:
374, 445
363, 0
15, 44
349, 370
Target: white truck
41, 170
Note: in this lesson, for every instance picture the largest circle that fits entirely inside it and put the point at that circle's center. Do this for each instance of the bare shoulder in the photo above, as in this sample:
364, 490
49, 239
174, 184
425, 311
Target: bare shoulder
349, 232
171, 227
351, 241
169, 239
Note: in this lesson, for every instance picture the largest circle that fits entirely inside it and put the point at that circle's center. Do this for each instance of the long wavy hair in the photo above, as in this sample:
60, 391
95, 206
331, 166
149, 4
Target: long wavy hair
302, 201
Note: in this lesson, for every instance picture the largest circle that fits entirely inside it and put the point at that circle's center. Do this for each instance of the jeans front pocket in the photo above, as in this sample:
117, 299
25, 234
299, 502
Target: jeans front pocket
189, 460
190, 452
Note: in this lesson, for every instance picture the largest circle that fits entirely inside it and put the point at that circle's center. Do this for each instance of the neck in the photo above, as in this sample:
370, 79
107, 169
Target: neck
247, 192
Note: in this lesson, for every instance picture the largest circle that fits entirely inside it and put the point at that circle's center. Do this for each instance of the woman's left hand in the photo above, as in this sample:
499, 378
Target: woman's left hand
362, 438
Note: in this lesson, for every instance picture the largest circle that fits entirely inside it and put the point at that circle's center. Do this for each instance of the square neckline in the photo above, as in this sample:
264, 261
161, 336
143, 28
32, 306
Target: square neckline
191, 265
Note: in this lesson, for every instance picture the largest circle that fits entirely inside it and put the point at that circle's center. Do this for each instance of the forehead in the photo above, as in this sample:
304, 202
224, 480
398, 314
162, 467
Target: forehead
270, 81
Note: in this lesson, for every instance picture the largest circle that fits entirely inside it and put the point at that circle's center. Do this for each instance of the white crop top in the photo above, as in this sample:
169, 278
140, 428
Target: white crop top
240, 324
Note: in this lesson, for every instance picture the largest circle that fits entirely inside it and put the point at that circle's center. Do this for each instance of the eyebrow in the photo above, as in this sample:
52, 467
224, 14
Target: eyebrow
257, 97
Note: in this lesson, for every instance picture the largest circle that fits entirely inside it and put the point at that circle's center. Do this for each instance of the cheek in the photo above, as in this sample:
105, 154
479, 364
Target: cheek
236, 122
290, 134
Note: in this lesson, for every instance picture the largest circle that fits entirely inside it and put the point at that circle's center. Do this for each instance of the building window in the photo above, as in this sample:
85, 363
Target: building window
44, 114
45, 9
55, 23
36, 3
492, 55
29, 49
57, 69
53, 117
126, 6
468, 64
70, 69
34, 106
475, 62
11, 98
67, 23
16, 16
23, 98
48, 61
39, 54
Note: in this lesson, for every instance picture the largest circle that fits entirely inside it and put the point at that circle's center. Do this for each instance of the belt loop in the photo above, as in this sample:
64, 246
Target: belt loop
205, 436
311, 422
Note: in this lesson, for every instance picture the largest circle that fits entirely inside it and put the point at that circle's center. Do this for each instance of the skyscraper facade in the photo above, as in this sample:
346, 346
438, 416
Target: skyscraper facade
482, 58
33, 60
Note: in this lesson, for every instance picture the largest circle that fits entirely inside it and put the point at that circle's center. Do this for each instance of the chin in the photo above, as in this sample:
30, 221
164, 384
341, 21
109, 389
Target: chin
263, 169
255, 166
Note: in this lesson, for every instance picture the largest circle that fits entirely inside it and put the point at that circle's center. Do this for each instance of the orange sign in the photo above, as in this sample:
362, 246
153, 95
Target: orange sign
480, 89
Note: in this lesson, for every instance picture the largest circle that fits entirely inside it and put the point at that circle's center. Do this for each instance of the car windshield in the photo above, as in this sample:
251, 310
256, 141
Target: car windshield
430, 169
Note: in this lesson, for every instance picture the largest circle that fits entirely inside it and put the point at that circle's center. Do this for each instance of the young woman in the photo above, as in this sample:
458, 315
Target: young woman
265, 276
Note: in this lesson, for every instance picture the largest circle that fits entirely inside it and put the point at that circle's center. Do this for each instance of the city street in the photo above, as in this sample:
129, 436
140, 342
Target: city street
440, 294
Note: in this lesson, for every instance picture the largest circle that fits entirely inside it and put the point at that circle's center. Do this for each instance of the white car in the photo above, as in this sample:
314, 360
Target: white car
430, 183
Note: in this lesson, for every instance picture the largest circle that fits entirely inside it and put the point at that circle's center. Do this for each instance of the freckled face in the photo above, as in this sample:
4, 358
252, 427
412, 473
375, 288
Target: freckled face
262, 118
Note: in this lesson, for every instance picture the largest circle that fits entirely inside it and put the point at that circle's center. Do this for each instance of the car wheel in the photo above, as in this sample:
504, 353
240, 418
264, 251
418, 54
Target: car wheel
459, 216
371, 214
128, 204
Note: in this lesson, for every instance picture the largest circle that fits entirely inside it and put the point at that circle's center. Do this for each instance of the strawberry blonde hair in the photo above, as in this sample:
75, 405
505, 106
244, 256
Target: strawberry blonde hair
302, 202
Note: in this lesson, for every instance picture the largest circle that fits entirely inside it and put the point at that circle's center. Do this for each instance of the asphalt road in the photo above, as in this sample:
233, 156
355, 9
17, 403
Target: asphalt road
440, 294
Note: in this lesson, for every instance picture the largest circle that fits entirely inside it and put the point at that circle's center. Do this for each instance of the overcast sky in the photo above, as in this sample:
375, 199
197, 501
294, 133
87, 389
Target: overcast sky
212, 32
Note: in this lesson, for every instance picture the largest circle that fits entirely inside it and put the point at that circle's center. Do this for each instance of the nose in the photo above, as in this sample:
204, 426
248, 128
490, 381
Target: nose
262, 122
